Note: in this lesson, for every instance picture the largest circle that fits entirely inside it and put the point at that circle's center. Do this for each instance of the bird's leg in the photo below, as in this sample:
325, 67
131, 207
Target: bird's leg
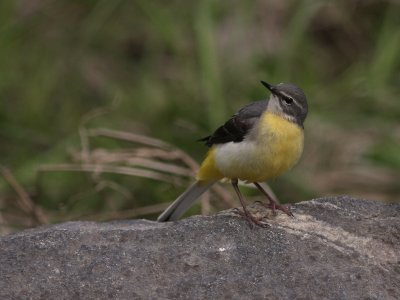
250, 218
272, 204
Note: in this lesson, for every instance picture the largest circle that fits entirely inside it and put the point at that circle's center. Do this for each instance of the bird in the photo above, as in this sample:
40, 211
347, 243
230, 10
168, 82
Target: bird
259, 142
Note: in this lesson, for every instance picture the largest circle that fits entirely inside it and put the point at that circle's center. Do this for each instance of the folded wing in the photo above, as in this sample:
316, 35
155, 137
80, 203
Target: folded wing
236, 128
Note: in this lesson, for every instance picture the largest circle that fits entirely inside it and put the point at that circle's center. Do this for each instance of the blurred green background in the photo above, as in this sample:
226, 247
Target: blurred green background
174, 70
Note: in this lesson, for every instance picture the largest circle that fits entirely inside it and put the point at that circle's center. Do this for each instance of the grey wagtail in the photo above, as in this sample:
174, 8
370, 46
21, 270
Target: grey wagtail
261, 141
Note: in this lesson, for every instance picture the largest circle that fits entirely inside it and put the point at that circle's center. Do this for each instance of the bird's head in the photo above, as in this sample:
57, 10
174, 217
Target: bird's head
288, 101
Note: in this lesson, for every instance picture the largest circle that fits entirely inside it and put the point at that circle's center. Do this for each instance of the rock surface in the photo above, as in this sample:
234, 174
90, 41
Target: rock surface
334, 248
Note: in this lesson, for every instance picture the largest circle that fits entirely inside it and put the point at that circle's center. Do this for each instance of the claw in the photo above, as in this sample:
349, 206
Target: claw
272, 204
252, 220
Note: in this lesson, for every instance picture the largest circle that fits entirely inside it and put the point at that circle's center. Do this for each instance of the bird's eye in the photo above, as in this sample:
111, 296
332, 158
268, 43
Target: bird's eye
288, 100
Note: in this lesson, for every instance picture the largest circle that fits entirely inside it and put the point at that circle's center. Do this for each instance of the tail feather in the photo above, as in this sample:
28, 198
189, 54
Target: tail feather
184, 201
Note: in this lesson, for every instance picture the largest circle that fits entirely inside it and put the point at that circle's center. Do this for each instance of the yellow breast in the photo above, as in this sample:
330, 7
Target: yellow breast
273, 147
280, 144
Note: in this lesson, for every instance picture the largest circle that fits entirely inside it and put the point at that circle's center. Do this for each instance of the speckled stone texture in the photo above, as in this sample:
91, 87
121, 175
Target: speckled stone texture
334, 248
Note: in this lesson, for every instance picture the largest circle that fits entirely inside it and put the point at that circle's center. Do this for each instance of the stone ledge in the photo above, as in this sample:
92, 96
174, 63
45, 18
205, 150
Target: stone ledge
335, 248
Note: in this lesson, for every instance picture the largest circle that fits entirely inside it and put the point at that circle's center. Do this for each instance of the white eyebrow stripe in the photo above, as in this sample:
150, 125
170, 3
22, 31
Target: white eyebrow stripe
288, 96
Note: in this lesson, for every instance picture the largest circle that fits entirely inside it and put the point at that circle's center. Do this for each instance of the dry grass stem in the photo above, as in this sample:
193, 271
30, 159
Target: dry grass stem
224, 195
128, 136
99, 169
83, 131
24, 201
103, 184
105, 157
205, 203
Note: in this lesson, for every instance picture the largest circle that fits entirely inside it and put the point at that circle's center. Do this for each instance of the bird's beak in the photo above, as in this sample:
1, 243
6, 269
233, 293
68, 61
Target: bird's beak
269, 86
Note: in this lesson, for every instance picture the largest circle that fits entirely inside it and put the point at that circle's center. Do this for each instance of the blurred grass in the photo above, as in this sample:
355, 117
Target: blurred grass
176, 70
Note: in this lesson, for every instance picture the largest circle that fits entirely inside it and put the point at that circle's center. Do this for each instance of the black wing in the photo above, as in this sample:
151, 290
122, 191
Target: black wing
236, 128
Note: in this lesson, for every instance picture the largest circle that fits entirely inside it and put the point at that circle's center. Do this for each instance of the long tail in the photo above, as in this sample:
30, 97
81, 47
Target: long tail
184, 201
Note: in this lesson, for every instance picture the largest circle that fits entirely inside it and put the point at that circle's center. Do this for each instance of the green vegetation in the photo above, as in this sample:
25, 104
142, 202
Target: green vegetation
175, 70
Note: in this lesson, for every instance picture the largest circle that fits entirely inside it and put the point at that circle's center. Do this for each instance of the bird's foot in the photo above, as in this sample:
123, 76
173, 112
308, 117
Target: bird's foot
276, 206
252, 219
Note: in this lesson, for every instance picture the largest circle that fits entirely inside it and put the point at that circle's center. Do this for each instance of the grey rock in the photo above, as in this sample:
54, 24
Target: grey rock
334, 248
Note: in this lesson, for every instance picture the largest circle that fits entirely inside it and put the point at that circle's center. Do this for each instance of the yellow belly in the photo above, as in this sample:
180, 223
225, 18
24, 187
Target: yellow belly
275, 148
